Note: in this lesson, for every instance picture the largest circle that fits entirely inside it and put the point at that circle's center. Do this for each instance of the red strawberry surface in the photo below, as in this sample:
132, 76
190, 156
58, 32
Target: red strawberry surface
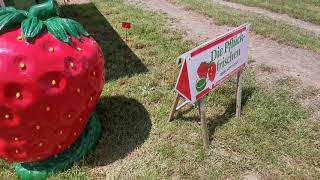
48, 89
212, 70
203, 70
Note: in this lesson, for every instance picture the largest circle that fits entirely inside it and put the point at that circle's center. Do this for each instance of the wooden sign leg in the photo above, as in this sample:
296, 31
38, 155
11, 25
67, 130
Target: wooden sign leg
239, 94
204, 127
174, 106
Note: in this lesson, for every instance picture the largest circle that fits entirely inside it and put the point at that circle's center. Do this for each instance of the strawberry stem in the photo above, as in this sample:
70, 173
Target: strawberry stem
41, 17
44, 11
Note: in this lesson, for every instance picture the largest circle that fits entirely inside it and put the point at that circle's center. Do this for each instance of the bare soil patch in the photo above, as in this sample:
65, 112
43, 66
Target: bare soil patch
283, 61
74, 1
289, 61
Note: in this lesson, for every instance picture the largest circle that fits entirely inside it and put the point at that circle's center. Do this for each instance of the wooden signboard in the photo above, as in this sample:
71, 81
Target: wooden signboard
206, 67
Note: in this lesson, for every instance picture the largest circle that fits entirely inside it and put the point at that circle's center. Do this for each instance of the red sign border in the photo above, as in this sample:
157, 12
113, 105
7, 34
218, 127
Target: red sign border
217, 41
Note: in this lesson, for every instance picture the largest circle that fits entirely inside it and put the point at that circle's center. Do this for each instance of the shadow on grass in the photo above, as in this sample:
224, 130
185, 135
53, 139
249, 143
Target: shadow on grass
9, 3
127, 126
20, 4
216, 122
120, 60
230, 112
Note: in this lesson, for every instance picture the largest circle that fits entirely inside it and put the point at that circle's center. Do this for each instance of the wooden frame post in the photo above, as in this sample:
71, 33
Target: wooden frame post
174, 106
239, 94
203, 119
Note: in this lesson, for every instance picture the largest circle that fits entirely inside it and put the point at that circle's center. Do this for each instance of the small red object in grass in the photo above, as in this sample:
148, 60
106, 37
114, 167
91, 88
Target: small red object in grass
126, 25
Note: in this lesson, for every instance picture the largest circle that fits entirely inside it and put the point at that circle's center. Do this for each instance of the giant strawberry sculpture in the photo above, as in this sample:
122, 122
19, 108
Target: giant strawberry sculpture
51, 77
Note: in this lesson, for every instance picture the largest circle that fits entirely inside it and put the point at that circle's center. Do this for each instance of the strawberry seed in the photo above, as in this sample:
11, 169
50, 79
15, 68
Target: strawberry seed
18, 95
51, 49
23, 66
19, 38
48, 108
53, 82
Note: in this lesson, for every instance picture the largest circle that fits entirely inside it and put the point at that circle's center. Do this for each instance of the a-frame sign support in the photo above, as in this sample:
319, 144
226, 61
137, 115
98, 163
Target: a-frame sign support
202, 110
206, 67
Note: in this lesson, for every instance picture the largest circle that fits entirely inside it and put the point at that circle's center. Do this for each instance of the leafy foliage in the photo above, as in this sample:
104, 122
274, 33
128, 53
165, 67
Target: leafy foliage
10, 18
61, 27
32, 25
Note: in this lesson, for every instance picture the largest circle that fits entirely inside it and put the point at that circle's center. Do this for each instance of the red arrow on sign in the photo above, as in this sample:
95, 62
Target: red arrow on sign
183, 85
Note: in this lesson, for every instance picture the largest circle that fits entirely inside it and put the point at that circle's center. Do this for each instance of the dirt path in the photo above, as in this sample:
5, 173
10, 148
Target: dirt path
288, 61
276, 16
279, 62
74, 1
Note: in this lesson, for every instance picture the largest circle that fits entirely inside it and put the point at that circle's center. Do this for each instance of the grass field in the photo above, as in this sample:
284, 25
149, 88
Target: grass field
275, 137
307, 10
261, 25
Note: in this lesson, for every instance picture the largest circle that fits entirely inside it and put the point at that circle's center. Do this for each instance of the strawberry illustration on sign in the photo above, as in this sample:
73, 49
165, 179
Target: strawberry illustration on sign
212, 70
201, 84
52, 74
203, 70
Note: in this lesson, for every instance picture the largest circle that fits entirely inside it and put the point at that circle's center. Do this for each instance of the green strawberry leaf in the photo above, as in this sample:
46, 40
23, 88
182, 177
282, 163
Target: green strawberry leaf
38, 18
71, 28
201, 84
31, 27
79, 27
44, 10
10, 18
62, 27
25, 13
56, 28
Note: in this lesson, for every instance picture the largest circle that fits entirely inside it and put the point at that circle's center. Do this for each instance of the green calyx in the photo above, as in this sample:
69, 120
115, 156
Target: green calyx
40, 17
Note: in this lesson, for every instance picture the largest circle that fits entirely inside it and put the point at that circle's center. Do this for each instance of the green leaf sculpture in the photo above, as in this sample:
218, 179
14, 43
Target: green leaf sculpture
39, 18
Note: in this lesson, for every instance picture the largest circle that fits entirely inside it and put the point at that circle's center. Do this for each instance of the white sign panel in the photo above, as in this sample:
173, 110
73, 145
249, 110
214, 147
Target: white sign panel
209, 65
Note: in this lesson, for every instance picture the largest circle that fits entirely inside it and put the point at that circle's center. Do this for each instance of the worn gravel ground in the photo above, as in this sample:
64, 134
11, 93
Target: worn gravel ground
273, 61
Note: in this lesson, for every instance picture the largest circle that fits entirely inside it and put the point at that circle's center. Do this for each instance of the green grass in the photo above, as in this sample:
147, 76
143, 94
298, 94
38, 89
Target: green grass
275, 136
307, 10
261, 25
